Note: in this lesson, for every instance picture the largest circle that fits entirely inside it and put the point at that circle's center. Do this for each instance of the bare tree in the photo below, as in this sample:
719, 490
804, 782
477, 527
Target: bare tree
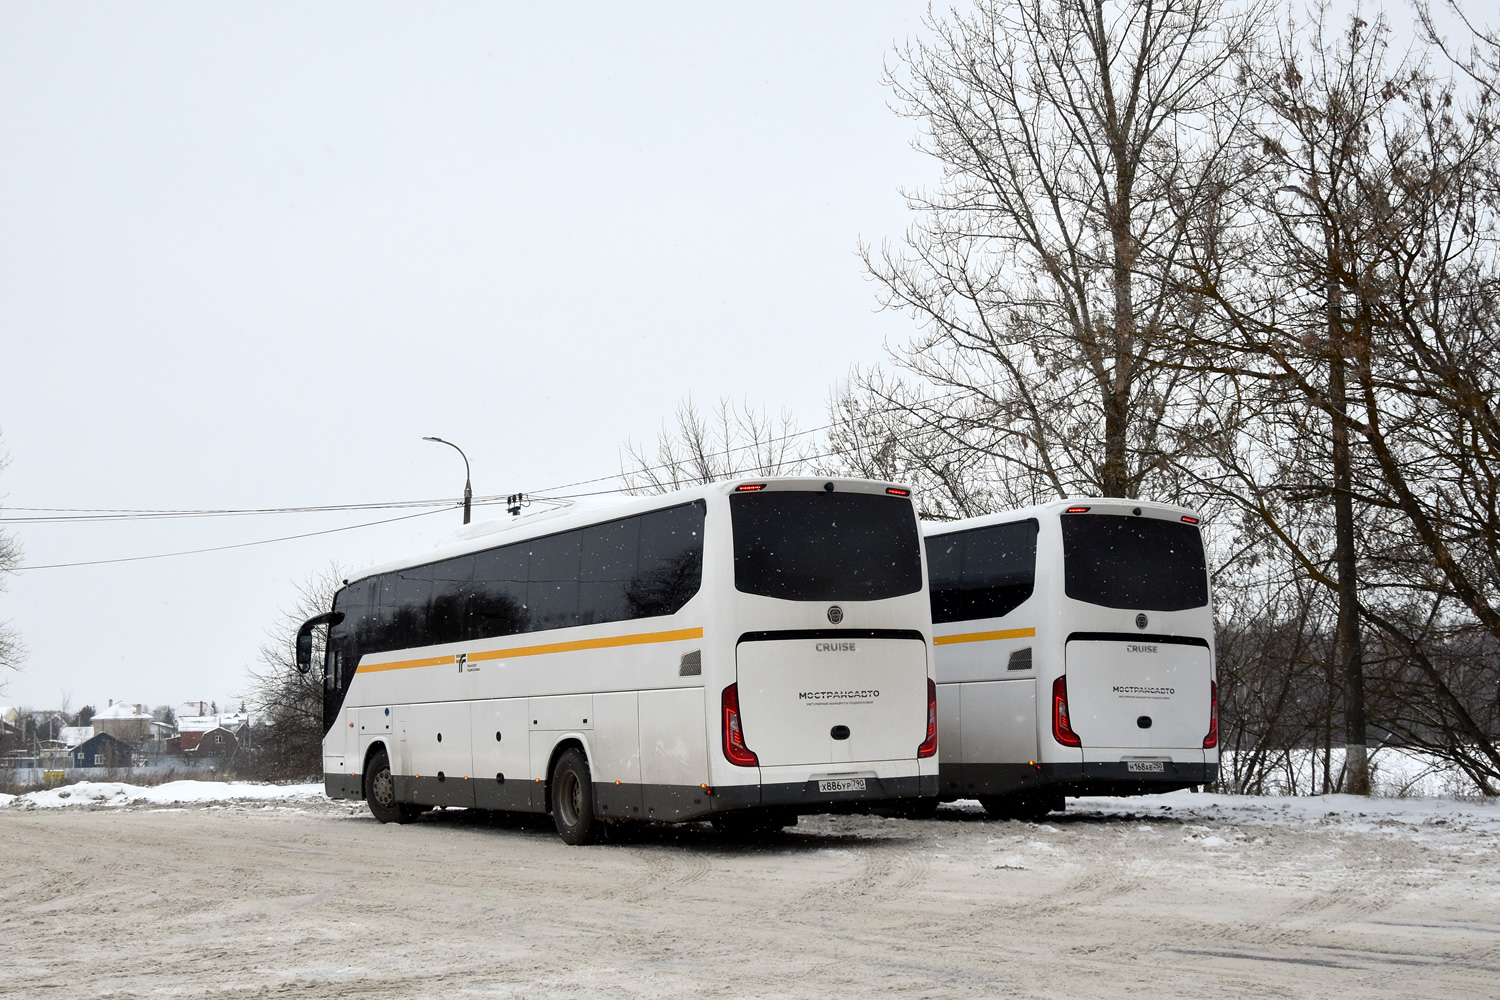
1075, 136
289, 701
1361, 318
706, 447
11, 649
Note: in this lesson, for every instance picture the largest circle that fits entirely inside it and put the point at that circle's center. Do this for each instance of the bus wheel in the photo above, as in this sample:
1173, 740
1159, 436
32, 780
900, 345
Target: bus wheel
573, 799
380, 792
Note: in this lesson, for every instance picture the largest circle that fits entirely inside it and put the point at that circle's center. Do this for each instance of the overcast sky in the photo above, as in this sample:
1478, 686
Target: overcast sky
250, 255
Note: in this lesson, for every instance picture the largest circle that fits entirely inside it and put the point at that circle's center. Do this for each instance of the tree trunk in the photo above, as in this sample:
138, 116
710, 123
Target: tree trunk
1350, 652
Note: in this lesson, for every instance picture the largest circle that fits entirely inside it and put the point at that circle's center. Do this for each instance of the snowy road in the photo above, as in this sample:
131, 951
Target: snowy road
1179, 896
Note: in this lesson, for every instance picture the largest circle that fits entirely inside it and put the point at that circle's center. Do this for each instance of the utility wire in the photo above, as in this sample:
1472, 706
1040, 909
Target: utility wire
224, 548
73, 515
66, 515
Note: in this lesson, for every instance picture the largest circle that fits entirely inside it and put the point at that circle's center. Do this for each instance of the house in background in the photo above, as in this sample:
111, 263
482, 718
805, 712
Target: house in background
126, 723
193, 709
192, 728
218, 743
102, 750
10, 727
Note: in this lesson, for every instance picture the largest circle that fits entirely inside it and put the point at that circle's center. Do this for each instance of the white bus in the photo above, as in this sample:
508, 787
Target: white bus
1075, 654
741, 652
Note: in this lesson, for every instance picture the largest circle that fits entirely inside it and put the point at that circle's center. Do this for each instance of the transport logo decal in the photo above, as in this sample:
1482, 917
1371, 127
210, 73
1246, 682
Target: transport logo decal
1136, 647
1141, 621
835, 614
1131, 691
852, 697
835, 647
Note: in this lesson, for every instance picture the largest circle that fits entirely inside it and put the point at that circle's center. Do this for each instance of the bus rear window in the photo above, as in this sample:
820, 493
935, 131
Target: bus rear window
1134, 562
806, 546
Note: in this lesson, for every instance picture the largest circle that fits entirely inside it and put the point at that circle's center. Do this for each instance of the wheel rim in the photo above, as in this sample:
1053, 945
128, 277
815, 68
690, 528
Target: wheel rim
570, 799
383, 788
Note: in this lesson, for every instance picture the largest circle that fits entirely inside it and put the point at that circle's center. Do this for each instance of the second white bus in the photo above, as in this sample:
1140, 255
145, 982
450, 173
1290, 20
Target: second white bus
1075, 654
741, 652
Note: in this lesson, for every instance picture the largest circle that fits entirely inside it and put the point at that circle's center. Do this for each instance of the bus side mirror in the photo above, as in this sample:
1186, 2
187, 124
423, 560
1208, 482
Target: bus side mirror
305, 639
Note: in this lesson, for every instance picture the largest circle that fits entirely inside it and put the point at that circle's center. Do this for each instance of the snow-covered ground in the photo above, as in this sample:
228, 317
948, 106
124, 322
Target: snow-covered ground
1345, 811
214, 889
171, 793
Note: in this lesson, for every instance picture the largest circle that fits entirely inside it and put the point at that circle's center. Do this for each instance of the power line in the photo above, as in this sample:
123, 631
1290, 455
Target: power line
72, 515
75, 515
225, 548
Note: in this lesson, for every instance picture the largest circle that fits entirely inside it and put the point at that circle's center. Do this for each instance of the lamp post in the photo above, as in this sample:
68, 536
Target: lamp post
468, 490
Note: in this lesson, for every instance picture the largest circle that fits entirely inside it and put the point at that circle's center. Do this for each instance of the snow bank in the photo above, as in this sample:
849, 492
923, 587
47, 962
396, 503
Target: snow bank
1300, 810
118, 793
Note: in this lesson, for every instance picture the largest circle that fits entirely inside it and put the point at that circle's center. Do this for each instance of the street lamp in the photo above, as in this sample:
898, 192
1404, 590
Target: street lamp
468, 490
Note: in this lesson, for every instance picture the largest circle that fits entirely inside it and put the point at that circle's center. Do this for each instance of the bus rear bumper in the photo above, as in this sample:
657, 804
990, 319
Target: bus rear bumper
973, 780
1118, 777
807, 797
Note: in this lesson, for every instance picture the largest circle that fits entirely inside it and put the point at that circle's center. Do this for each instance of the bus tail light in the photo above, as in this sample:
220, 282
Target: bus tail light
1190, 520
734, 736
1212, 739
1062, 729
929, 745
1078, 510
896, 491
749, 487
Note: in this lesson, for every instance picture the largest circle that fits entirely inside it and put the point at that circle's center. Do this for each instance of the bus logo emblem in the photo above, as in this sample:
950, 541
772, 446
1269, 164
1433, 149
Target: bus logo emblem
1140, 621
835, 615
462, 659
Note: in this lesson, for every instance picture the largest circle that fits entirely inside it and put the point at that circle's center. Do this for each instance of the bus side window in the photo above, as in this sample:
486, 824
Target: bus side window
944, 571
552, 581
608, 565
983, 572
411, 594
1000, 567
670, 569
451, 580
496, 604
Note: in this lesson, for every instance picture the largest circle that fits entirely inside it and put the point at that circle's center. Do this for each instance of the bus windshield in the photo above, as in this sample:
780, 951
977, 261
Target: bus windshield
1134, 562
821, 546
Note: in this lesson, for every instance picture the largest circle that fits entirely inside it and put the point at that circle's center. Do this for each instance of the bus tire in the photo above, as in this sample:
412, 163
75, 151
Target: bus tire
573, 799
380, 792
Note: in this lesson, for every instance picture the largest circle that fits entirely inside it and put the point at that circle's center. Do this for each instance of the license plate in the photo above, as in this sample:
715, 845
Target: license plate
841, 785
1152, 766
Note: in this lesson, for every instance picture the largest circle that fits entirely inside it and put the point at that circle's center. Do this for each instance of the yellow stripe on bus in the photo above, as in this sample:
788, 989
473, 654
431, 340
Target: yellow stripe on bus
608, 642
1010, 633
